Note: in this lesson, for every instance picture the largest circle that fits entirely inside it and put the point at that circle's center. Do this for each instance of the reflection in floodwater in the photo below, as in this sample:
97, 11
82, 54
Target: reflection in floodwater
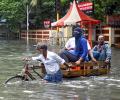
82, 88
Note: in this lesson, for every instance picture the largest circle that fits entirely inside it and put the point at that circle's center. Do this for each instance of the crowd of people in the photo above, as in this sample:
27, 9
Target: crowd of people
77, 49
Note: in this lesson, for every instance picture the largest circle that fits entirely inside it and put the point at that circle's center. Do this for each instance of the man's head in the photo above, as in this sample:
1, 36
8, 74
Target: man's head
78, 32
41, 47
101, 39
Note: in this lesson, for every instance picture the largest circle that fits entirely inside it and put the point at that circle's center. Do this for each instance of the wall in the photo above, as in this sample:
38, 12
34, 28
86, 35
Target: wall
112, 35
36, 35
49, 35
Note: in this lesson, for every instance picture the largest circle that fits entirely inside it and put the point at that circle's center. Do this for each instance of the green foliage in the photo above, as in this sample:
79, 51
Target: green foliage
10, 10
102, 8
14, 11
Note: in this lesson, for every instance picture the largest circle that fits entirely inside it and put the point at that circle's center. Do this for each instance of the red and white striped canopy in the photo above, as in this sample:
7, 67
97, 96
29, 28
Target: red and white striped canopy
73, 16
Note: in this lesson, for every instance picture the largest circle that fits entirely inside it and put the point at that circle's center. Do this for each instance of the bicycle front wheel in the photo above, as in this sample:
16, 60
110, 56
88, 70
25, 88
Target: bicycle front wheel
14, 79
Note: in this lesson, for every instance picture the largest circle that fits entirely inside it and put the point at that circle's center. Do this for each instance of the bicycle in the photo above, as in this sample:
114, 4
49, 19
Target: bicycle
25, 74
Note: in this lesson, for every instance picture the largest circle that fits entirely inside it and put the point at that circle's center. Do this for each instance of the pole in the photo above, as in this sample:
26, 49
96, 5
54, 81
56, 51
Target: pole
27, 26
90, 31
57, 29
57, 6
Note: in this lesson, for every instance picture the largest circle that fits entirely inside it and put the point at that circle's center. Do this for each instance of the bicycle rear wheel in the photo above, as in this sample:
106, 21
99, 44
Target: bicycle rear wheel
15, 79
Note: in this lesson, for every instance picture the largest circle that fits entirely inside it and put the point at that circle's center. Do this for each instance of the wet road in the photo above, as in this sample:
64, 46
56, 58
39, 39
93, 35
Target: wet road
83, 88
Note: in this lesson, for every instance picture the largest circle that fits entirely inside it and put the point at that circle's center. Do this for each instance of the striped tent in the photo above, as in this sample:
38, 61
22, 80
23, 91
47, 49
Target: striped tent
73, 16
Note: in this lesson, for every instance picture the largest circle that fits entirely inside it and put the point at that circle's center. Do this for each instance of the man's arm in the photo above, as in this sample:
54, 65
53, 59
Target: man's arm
27, 58
60, 60
32, 58
66, 65
85, 51
108, 53
92, 57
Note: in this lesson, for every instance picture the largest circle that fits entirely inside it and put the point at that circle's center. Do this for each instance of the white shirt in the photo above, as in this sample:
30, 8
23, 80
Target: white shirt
51, 63
71, 43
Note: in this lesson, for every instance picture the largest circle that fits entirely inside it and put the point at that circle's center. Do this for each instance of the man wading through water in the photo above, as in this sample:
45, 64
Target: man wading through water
51, 62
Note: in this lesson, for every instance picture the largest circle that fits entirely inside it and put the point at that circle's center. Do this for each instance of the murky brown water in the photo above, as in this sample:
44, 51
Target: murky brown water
83, 88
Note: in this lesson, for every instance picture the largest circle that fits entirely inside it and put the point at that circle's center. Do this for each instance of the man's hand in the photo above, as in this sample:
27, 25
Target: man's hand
27, 59
78, 62
107, 61
67, 65
94, 60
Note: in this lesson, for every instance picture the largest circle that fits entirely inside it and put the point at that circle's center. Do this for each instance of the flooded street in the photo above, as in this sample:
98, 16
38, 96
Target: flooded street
82, 88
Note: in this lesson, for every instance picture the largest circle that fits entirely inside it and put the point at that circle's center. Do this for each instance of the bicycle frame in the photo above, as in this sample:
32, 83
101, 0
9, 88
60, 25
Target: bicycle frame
26, 71
25, 74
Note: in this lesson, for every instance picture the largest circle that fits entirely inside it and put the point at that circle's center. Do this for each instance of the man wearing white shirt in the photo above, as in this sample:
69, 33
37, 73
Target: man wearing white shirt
70, 44
51, 62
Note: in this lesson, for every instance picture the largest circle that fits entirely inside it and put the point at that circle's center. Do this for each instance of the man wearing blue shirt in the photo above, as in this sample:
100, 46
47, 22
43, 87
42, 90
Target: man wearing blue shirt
81, 49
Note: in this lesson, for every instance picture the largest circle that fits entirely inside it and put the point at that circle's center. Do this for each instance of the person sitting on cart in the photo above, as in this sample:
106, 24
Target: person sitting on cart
51, 62
70, 46
102, 50
80, 53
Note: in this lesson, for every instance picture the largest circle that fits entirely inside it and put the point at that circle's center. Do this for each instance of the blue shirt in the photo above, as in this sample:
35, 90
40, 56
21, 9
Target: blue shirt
81, 49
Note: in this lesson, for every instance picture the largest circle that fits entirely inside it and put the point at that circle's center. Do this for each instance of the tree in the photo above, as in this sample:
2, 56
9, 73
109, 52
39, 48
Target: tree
105, 7
12, 10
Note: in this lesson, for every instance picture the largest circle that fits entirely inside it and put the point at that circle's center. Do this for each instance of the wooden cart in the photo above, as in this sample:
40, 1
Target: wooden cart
86, 69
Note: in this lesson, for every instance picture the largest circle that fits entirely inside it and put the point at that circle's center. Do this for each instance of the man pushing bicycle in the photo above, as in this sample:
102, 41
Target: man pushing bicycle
51, 62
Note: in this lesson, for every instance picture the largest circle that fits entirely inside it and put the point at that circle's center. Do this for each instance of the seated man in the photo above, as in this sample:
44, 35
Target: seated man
70, 46
81, 49
102, 50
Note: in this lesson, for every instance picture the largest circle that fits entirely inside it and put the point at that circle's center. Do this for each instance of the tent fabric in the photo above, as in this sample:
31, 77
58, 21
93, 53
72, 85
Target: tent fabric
73, 16
61, 21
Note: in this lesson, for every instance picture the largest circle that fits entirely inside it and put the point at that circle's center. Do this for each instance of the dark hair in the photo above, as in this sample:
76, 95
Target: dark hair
41, 46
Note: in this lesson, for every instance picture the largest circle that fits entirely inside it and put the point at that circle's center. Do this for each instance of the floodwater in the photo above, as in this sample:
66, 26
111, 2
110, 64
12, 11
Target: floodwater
83, 88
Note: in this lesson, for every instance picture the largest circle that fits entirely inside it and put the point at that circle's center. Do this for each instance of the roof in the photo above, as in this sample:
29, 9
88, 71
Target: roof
73, 16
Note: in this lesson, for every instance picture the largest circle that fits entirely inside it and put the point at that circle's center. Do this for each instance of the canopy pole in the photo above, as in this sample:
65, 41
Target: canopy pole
57, 29
27, 26
90, 34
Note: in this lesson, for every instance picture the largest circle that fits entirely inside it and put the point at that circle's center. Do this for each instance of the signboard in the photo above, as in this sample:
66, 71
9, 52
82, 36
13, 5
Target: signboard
47, 23
86, 7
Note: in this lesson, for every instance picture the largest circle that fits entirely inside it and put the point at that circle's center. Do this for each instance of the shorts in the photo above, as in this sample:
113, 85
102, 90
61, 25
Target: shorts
54, 78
